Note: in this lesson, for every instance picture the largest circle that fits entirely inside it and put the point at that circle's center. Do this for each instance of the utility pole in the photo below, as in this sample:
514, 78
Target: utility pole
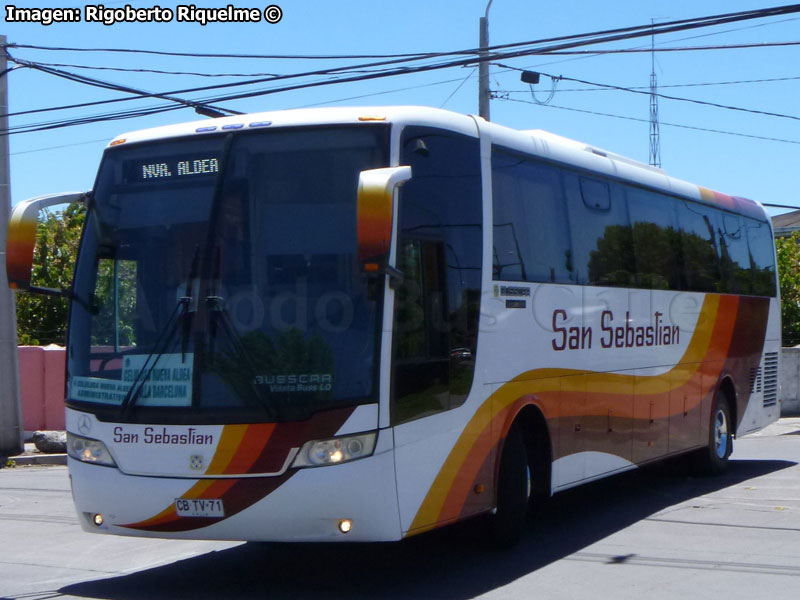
11, 433
483, 66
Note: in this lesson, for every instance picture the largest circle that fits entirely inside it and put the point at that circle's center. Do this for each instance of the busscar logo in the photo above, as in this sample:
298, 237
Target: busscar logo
196, 462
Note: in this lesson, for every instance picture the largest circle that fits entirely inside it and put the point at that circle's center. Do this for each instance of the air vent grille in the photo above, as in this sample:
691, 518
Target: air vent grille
770, 378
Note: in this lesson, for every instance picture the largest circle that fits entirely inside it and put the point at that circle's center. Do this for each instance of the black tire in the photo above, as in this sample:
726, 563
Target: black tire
507, 522
720, 437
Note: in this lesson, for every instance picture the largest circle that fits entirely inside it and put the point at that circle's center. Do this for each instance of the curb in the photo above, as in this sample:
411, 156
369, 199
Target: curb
39, 459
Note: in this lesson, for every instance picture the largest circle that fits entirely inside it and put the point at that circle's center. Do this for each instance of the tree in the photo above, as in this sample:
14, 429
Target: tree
788, 250
43, 319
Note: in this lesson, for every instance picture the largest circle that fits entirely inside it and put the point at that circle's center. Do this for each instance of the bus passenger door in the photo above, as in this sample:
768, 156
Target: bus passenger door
439, 460
430, 381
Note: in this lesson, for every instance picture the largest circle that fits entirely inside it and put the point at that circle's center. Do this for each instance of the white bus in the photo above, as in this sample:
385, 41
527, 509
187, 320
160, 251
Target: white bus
356, 324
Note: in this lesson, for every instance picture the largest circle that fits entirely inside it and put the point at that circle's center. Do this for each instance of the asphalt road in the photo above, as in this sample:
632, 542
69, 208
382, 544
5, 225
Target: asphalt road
655, 533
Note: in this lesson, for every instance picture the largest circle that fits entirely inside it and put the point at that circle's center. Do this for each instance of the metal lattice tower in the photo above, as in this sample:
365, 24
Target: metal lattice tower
655, 142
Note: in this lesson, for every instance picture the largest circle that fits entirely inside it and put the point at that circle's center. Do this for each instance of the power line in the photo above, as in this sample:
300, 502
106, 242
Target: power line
458, 87
105, 139
155, 71
678, 125
198, 107
634, 31
398, 69
674, 85
675, 49
667, 97
559, 53
392, 91
583, 39
681, 39
223, 55
629, 33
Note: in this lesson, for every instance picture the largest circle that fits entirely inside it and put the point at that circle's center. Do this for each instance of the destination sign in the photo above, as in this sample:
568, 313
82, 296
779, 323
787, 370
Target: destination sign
160, 169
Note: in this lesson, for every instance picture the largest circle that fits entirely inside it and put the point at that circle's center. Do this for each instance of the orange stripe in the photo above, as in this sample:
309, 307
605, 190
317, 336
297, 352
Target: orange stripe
711, 340
168, 514
239, 446
250, 448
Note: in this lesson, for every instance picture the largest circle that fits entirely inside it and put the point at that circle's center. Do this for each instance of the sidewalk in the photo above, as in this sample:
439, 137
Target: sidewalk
783, 426
31, 456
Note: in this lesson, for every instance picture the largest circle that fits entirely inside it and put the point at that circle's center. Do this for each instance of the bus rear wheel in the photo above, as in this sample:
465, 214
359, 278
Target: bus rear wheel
514, 486
720, 437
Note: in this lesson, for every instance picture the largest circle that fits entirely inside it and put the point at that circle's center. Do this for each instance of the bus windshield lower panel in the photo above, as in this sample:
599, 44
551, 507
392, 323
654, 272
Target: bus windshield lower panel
224, 279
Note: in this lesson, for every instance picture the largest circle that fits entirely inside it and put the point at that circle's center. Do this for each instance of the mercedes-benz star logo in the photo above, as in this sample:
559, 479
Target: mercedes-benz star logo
84, 424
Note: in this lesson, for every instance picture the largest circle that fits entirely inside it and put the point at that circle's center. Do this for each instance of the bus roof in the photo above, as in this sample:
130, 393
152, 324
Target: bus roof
537, 142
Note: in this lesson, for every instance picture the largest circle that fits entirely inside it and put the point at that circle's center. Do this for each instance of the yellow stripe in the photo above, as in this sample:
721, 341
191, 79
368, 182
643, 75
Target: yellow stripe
554, 380
229, 443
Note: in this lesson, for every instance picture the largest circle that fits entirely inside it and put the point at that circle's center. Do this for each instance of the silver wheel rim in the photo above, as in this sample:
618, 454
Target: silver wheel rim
721, 433
529, 483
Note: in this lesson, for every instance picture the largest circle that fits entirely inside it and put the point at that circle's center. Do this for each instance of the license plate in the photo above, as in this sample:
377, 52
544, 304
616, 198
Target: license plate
199, 507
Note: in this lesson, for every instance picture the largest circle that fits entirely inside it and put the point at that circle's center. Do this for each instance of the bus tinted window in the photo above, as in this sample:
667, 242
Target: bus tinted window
762, 257
602, 243
734, 259
699, 257
553, 225
655, 240
531, 235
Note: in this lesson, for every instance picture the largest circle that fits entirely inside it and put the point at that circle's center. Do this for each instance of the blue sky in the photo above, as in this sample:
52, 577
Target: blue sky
764, 169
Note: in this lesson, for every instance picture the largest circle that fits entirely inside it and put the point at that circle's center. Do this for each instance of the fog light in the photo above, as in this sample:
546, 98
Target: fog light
345, 525
97, 520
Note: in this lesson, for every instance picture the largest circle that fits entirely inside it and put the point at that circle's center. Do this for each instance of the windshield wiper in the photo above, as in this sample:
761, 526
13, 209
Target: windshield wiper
215, 305
187, 322
159, 348
179, 313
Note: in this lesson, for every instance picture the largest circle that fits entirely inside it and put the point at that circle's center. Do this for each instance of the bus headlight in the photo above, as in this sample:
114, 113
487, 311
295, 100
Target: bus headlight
88, 450
318, 453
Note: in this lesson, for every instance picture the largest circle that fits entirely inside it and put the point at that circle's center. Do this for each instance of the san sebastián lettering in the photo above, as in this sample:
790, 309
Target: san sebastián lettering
162, 435
612, 334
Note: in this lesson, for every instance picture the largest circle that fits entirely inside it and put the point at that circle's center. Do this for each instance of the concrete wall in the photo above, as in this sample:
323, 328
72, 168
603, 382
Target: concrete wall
790, 381
41, 371
41, 374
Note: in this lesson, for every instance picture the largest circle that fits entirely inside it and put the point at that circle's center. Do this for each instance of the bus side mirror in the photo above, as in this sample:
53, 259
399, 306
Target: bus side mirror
21, 237
375, 207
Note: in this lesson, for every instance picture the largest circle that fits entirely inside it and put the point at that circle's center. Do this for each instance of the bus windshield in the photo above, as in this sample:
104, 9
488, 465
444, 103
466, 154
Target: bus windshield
223, 279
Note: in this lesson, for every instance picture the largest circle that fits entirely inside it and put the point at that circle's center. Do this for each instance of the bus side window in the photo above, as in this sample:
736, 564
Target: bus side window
734, 259
530, 232
602, 242
761, 246
699, 253
439, 250
656, 241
